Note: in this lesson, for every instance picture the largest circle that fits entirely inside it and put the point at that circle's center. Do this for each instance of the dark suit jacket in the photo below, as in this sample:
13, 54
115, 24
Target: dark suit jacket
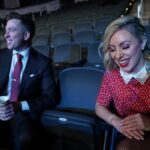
38, 83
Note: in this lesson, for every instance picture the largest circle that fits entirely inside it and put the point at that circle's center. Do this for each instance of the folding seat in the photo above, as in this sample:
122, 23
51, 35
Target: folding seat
85, 38
82, 26
43, 49
40, 40
147, 32
74, 117
43, 31
59, 29
66, 55
94, 58
99, 27
60, 38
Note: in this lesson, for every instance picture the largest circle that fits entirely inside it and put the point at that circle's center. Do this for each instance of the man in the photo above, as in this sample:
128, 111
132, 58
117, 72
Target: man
35, 89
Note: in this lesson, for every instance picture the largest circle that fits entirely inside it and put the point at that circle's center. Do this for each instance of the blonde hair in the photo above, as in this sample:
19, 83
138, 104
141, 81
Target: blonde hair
131, 24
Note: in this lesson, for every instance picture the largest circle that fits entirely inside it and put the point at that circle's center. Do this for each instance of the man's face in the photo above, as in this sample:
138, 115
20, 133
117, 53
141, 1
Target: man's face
15, 35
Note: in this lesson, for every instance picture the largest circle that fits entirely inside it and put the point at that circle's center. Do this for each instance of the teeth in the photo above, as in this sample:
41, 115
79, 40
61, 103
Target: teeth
123, 62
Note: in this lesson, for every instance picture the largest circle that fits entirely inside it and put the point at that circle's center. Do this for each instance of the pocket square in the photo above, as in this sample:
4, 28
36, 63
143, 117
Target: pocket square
32, 75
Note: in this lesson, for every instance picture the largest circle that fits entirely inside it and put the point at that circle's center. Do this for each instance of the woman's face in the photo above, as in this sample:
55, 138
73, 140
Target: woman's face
126, 51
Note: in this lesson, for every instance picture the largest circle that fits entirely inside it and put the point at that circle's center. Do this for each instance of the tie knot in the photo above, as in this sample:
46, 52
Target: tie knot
19, 56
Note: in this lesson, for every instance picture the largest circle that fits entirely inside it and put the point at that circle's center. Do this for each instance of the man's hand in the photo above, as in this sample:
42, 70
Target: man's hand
6, 112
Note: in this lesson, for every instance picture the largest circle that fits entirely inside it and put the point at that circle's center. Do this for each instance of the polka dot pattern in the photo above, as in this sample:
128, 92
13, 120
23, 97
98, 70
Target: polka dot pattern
128, 98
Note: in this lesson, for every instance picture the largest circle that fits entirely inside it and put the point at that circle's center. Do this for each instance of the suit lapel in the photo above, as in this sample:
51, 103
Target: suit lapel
29, 68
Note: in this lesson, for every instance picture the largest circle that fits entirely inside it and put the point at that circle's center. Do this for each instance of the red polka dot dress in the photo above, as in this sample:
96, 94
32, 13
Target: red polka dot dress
128, 99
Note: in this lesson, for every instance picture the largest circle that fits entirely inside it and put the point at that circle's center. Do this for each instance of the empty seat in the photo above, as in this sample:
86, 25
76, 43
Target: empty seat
82, 26
74, 117
99, 27
42, 31
66, 55
147, 31
59, 29
94, 59
43, 49
40, 40
60, 38
85, 38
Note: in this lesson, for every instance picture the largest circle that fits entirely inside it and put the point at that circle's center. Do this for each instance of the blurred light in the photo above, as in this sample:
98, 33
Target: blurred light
130, 4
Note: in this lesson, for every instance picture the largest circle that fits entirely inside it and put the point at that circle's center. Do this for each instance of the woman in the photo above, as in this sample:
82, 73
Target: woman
126, 82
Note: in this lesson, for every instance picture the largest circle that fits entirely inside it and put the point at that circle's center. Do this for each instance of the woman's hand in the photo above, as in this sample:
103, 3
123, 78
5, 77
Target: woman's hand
136, 121
130, 133
132, 126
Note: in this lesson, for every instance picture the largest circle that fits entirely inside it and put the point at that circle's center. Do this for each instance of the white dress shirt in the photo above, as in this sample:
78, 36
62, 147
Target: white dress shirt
25, 54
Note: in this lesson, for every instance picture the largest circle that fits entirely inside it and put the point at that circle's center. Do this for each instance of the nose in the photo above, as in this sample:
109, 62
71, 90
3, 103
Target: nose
6, 34
119, 53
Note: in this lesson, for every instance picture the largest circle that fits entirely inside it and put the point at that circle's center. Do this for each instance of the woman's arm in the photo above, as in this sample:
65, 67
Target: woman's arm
116, 122
105, 114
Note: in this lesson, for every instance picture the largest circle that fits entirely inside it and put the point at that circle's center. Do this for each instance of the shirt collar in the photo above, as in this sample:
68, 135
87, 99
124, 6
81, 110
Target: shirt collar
140, 76
24, 52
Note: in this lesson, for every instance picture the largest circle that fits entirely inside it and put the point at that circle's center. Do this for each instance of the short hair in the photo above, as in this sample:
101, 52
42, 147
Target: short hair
26, 22
131, 24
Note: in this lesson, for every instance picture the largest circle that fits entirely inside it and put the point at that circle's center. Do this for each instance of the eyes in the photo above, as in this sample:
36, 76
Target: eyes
112, 48
10, 30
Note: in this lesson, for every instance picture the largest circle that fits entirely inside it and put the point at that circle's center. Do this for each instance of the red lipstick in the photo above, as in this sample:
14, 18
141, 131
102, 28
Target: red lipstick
123, 65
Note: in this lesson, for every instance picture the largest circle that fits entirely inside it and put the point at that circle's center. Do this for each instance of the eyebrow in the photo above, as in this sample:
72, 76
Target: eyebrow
125, 42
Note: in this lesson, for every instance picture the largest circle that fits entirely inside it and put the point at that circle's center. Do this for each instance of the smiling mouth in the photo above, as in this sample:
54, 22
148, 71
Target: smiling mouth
124, 63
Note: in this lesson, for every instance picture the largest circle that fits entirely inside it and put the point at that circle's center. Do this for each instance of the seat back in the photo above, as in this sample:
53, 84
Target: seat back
85, 38
74, 117
60, 38
40, 40
43, 49
94, 59
58, 29
82, 26
79, 87
67, 53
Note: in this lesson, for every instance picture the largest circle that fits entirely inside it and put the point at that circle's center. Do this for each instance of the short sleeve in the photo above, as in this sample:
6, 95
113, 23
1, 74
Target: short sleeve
104, 96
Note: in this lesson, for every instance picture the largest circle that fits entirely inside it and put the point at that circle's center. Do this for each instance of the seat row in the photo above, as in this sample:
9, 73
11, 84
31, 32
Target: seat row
71, 54
98, 26
82, 37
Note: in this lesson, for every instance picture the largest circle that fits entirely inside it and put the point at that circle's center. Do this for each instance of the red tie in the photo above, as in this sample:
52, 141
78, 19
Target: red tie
16, 79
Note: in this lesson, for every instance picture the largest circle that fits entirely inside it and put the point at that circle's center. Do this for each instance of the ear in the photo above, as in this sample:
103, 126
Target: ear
26, 35
143, 44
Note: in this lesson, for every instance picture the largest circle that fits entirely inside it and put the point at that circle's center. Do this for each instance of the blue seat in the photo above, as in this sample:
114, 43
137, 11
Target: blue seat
82, 26
85, 38
74, 116
66, 55
94, 59
60, 38
43, 49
